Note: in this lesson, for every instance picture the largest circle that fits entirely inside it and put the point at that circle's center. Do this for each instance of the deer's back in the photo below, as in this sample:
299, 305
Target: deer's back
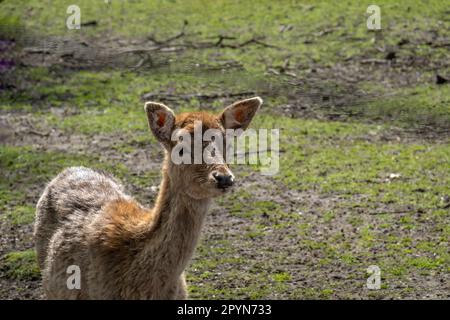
68, 204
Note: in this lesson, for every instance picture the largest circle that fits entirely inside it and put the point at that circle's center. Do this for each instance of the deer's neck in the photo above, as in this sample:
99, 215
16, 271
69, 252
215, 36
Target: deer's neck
176, 229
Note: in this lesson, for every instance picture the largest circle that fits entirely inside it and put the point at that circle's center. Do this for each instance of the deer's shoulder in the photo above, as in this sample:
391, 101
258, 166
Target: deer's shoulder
120, 222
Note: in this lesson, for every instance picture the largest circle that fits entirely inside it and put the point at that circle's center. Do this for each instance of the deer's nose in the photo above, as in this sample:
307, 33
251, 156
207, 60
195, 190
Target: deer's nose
223, 180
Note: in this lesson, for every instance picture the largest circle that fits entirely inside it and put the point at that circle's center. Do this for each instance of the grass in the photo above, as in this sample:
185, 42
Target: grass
21, 265
337, 174
412, 108
21, 215
281, 277
108, 93
242, 20
351, 164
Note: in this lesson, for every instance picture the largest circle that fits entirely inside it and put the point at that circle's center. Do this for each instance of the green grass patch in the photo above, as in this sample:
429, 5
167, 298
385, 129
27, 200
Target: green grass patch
281, 277
20, 215
21, 265
413, 108
347, 33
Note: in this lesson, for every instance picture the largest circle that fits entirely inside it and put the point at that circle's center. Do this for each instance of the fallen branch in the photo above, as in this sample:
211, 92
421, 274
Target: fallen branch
401, 211
221, 38
36, 50
245, 43
37, 133
169, 96
170, 39
92, 23
138, 50
380, 61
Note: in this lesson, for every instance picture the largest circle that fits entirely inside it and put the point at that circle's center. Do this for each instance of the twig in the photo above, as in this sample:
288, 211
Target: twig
41, 134
381, 61
441, 45
170, 39
324, 32
163, 42
170, 96
138, 50
390, 212
221, 38
91, 23
37, 50
245, 43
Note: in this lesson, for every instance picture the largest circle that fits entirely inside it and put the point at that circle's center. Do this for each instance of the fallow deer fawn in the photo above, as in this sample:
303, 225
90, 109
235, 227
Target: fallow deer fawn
123, 250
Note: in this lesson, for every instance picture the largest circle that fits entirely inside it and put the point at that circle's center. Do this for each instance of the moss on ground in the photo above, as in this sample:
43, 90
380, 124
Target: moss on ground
20, 265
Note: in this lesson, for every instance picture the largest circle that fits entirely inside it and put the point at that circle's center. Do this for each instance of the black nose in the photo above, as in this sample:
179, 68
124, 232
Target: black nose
223, 180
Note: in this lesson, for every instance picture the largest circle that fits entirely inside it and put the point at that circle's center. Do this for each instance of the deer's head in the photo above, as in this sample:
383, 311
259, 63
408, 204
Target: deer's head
195, 144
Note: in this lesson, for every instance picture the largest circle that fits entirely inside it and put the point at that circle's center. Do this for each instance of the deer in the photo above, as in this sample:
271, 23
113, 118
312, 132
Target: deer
123, 250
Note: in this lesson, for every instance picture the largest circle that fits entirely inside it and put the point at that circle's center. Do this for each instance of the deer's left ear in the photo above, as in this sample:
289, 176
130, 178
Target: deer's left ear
240, 114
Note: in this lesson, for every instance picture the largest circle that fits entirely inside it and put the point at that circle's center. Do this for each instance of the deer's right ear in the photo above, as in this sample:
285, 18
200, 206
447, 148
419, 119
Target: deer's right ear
161, 121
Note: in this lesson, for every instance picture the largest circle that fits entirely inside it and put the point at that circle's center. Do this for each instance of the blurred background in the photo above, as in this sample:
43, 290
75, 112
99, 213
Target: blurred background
364, 120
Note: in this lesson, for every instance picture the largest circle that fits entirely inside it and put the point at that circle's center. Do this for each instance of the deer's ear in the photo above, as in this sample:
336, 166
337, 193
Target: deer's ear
161, 121
240, 114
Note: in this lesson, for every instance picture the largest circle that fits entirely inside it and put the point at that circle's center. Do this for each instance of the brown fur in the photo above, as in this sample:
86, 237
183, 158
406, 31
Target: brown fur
127, 221
126, 251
